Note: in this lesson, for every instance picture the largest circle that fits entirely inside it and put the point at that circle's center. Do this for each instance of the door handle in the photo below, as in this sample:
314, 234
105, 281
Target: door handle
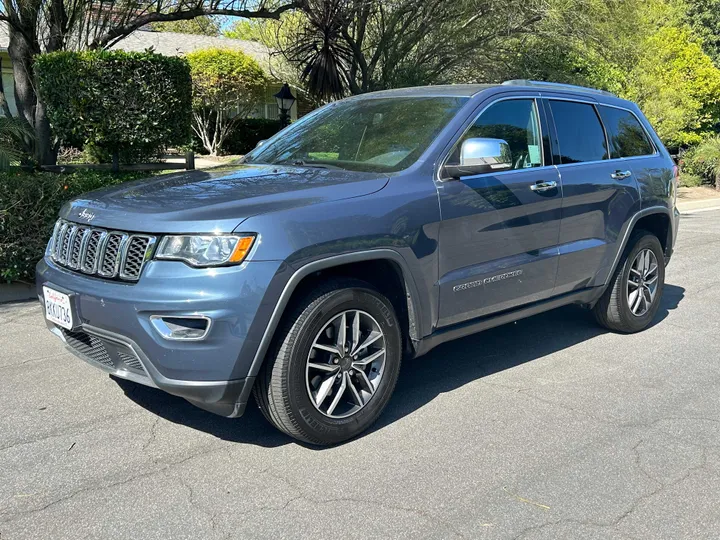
620, 175
543, 186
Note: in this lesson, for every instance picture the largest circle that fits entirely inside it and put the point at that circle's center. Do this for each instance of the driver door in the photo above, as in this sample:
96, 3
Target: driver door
499, 232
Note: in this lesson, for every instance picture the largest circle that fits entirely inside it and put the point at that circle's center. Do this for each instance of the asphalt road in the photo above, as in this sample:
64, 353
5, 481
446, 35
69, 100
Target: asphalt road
548, 428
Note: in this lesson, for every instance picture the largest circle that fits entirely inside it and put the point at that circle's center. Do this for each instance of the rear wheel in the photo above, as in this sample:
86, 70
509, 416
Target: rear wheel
633, 296
334, 365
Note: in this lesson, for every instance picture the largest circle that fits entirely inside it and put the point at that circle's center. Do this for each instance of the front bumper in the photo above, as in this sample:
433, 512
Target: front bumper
113, 330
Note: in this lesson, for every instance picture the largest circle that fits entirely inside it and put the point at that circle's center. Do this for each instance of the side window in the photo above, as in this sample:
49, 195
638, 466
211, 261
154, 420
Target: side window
516, 122
580, 134
627, 137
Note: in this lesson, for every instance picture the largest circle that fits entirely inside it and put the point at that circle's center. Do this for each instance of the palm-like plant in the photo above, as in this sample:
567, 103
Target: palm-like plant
321, 50
15, 136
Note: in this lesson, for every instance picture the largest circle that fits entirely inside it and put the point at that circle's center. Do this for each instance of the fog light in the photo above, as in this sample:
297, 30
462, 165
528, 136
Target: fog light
185, 328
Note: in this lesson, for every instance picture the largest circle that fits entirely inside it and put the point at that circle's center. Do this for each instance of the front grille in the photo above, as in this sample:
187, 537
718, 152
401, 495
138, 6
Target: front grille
108, 254
89, 346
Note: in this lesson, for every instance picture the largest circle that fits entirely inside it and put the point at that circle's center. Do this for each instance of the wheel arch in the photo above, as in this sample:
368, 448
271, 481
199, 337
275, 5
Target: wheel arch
368, 266
655, 219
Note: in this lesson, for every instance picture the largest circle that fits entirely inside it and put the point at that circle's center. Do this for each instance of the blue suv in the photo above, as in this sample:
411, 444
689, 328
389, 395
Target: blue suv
368, 232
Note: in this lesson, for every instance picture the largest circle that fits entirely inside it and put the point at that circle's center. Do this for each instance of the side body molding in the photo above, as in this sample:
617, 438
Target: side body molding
322, 264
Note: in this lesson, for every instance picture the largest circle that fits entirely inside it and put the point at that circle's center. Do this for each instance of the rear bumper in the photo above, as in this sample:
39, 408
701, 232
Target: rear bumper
113, 330
675, 228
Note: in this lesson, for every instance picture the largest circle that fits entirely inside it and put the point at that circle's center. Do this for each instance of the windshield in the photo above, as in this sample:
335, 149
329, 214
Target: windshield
376, 135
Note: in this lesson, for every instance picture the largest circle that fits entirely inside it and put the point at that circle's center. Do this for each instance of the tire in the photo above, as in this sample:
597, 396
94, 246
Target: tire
287, 389
613, 310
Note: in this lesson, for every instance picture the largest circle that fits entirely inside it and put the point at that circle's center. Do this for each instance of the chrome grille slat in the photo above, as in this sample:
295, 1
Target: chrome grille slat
109, 262
90, 256
63, 243
75, 247
94, 251
134, 255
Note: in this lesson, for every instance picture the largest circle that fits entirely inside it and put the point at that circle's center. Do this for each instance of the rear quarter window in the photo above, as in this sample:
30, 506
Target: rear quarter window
625, 133
580, 134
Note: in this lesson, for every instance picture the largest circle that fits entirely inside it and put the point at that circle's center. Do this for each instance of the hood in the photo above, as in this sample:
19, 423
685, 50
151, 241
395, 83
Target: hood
217, 200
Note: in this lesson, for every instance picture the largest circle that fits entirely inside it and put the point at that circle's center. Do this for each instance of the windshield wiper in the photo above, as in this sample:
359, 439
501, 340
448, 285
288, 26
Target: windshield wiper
303, 163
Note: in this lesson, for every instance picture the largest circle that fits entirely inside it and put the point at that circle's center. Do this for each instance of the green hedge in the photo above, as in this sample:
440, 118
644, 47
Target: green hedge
29, 206
703, 161
245, 135
115, 101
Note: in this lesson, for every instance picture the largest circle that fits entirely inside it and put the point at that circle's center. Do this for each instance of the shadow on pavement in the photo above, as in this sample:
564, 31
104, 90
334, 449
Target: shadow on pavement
444, 369
252, 428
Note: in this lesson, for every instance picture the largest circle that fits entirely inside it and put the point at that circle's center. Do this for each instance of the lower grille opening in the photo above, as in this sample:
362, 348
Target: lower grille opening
131, 361
89, 346
107, 353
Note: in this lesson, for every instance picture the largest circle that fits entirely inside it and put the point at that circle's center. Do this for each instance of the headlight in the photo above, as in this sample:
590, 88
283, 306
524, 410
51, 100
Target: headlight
205, 250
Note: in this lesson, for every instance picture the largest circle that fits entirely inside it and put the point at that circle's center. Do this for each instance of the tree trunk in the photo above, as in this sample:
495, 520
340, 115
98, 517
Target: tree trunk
717, 179
26, 99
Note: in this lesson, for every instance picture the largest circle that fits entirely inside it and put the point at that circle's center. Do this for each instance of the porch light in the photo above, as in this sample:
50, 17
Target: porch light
285, 101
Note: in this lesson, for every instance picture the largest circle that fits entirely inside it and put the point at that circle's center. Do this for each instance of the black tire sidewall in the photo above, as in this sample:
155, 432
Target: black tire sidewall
313, 421
630, 320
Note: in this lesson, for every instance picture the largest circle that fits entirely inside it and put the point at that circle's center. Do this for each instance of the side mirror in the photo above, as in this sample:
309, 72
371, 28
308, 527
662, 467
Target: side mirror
478, 156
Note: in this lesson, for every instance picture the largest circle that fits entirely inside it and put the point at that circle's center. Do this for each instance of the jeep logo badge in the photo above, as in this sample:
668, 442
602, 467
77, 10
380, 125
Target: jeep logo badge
87, 215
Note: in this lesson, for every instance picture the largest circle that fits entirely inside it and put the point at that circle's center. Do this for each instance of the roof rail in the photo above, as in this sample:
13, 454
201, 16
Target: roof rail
558, 86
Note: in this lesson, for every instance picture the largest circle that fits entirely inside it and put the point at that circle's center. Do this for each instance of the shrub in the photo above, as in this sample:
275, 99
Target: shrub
248, 133
29, 206
15, 138
245, 135
690, 180
227, 86
116, 101
704, 161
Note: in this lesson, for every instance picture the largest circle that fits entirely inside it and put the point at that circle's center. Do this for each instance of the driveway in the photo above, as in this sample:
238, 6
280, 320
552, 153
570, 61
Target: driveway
547, 428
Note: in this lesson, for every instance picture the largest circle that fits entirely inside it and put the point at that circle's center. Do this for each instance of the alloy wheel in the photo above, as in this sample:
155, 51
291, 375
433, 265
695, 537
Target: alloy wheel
642, 282
345, 364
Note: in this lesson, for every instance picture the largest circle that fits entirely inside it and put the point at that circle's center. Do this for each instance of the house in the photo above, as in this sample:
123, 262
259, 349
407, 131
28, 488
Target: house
175, 44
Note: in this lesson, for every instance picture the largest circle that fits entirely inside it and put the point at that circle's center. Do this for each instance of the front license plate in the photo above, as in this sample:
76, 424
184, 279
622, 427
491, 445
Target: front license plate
58, 308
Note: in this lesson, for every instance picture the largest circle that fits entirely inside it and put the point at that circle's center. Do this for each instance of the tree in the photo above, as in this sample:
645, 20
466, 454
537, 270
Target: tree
353, 46
206, 26
227, 85
677, 86
704, 17
275, 35
39, 26
642, 51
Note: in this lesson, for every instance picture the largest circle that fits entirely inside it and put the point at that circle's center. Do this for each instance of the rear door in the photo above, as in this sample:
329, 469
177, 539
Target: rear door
599, 193
499, 233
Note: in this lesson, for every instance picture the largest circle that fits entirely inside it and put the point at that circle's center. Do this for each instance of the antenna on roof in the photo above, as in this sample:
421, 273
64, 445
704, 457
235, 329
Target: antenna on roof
558, 86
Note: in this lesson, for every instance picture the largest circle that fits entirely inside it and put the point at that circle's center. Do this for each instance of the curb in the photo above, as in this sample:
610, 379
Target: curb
702, 205
16, 292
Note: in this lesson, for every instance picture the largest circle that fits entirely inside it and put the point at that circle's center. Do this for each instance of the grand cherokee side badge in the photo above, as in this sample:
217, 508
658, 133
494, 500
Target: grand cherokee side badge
486, 281
87, 215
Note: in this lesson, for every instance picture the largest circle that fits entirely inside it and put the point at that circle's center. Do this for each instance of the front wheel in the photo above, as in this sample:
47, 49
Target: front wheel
335, 364
634, 294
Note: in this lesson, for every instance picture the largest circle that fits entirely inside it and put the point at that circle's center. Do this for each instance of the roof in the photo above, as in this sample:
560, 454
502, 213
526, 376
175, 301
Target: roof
176, 44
